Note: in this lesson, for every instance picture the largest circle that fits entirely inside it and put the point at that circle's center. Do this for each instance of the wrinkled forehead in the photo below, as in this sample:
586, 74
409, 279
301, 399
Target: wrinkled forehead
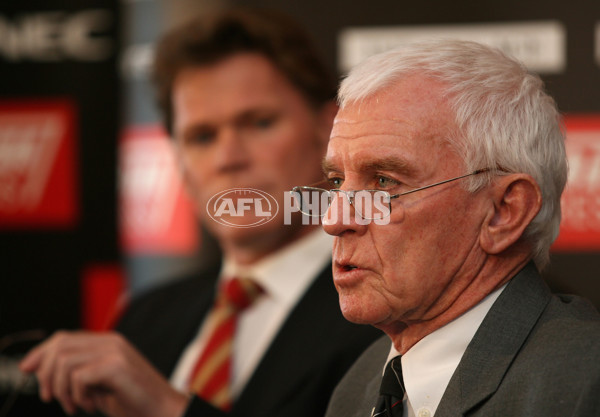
394, 129
351, 128
366, 150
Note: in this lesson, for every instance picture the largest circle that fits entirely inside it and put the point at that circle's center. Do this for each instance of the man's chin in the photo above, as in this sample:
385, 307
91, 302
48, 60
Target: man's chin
363, 310
354, 314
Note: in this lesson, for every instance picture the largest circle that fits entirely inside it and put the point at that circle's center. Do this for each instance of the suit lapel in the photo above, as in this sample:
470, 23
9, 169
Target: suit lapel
375, 360
296, 339
180, 321
496, 343
190, 316
181, 306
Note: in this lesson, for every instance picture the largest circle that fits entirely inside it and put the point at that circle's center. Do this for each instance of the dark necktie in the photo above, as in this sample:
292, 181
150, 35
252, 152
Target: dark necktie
391, 391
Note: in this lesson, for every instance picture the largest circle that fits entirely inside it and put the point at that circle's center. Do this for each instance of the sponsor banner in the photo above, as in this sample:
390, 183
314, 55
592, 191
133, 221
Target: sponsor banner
541, 46
37, 164
156, 216
580, 227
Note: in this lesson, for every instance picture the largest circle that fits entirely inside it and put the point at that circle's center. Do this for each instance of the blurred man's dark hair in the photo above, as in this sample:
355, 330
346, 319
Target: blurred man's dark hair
208, 39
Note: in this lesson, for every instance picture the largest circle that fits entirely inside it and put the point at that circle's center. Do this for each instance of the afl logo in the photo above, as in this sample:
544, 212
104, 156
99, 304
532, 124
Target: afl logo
242, 207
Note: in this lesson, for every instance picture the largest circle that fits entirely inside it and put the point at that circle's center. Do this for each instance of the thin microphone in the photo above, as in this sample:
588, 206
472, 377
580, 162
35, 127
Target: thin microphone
12, 379
13, 382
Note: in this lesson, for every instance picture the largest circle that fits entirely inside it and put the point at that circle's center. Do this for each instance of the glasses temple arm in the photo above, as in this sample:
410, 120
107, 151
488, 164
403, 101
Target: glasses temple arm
479, 171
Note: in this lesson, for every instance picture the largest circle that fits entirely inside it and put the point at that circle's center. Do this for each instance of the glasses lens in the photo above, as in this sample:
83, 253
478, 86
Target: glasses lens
372, 204
313, 201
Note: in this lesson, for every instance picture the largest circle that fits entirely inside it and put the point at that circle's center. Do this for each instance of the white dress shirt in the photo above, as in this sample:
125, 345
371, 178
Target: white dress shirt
428, 366
284, 276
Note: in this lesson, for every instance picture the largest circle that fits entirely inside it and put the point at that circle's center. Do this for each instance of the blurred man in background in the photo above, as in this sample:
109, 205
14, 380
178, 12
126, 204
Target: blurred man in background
249, 105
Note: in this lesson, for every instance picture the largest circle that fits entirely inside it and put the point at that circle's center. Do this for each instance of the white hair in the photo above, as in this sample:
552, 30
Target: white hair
505, 118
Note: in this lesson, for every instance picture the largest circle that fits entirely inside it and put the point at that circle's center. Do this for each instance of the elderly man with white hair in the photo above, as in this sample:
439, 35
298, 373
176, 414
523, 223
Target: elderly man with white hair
465, 150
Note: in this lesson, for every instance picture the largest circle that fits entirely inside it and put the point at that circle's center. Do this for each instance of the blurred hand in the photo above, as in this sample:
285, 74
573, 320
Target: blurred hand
101, 371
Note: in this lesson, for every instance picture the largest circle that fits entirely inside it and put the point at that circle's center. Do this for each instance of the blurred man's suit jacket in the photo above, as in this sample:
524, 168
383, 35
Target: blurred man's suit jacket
310, 354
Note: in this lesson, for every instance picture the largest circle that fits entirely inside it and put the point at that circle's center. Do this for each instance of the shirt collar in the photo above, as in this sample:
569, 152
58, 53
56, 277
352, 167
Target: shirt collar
302, 260
428, 366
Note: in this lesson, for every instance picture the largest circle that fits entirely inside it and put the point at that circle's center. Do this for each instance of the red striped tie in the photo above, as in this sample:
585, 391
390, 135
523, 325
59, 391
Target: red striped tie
211, 374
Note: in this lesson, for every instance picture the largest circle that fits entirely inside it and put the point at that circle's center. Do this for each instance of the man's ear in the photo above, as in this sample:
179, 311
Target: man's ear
516, 200
325, 118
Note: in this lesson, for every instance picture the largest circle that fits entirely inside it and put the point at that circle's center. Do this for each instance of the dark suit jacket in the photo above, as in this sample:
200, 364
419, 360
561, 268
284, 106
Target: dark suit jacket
309, 355
534, 354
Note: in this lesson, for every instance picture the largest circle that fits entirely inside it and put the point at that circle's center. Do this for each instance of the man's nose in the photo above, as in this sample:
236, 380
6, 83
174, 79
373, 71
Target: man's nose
341, 216
230, 153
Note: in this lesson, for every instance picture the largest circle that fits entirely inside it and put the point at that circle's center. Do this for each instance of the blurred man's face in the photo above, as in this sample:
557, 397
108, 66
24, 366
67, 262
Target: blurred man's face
414, 268
241, 124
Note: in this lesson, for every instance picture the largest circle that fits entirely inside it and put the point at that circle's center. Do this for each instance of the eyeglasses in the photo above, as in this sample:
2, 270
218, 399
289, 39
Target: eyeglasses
368, 204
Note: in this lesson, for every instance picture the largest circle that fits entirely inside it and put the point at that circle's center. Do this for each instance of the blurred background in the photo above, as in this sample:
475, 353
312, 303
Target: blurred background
91, 207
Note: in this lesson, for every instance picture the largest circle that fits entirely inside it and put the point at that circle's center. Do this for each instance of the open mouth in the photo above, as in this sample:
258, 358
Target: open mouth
349, 267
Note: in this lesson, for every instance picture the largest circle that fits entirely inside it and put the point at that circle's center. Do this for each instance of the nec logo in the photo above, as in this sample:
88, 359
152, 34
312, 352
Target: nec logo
55, 36
242, 207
